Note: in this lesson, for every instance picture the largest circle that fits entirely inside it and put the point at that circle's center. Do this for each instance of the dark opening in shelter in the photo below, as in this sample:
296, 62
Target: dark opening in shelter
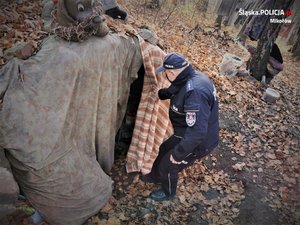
124, 134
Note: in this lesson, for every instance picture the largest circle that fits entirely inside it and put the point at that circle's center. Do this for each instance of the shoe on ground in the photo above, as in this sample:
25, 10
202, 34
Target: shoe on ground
160, 195
116, 13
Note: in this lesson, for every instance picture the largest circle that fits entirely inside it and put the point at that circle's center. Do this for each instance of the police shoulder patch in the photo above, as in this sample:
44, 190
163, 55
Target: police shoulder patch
189, 85
190, 118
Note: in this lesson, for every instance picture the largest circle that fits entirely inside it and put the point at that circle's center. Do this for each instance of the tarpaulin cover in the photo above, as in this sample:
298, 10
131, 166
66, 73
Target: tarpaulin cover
61, 111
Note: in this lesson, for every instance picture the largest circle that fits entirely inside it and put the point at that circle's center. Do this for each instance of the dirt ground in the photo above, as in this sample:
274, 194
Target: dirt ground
251, 178
254, 208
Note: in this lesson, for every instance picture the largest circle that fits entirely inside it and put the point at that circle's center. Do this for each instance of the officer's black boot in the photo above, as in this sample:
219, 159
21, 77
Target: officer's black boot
116, 13
160, 195
166, 192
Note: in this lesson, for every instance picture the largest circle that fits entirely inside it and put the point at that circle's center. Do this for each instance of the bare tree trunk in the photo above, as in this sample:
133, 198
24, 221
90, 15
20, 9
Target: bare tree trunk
293, 33
241, 36
158, 10
169, 14
218, 22
296, 47
259, 60
295, 17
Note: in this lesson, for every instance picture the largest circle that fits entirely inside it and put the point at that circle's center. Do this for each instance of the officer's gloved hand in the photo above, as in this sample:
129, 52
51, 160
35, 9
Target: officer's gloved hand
164, 93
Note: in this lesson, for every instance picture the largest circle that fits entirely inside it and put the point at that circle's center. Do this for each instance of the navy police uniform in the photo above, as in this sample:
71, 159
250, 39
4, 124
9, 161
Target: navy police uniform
194, 115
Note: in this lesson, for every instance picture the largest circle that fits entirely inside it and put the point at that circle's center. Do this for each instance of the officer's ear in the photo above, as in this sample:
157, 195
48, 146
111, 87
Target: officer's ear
172, 72
168, 72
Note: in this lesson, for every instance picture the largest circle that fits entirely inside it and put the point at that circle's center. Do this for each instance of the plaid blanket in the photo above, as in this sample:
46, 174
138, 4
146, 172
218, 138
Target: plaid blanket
152, 125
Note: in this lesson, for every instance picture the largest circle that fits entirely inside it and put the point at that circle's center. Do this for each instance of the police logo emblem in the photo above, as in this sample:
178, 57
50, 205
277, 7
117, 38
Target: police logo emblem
190, 118
174, 108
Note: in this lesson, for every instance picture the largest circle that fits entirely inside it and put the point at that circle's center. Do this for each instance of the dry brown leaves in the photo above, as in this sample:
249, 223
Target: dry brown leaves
124, 29
20, 23
268, 142
131, 205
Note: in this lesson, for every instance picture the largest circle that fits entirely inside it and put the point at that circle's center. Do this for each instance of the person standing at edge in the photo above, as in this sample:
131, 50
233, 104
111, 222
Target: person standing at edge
194, 114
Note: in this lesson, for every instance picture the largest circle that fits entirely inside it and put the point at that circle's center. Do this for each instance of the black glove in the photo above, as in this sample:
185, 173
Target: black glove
164, 94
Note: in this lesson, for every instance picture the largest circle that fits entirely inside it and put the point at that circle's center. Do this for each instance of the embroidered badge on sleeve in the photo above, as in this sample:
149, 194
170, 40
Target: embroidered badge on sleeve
190, 118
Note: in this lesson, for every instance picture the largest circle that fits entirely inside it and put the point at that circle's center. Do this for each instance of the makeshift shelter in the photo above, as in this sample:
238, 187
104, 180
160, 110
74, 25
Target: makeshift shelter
61, 111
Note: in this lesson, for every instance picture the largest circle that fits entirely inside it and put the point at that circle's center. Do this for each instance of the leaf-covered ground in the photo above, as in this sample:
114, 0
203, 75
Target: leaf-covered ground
252, 177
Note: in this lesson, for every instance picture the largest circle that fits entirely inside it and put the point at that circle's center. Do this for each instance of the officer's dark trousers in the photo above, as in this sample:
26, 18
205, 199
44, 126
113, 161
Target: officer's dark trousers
164, 171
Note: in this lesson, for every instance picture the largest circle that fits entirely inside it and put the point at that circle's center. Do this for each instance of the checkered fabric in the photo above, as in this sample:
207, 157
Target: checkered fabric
152, 125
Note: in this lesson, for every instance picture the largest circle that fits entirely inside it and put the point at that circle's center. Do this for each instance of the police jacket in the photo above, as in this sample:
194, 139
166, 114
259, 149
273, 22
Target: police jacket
193, 112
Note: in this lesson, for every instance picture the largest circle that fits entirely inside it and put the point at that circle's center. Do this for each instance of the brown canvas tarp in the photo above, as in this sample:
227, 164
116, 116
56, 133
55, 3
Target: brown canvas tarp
61, 110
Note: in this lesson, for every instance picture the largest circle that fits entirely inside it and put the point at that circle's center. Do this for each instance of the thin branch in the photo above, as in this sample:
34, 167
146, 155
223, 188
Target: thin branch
144, 7
157, 12
195, 7
169, 15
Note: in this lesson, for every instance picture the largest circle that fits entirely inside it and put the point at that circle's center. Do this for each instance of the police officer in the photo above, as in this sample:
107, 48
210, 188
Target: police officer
194, 115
